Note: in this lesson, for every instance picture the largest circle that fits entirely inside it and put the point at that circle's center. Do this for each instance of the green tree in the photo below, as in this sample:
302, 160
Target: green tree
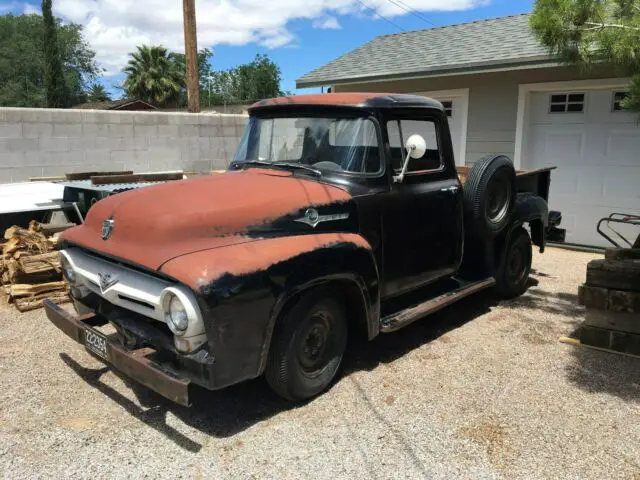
593, 32
204, 73
154, 76
246, 83
22, 61
54, 82
97, 93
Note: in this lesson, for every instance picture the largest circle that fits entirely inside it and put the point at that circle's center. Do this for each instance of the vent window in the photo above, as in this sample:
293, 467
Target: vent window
566, 103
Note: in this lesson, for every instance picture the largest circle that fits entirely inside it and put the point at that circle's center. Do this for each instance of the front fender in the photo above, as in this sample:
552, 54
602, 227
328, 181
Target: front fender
243, 288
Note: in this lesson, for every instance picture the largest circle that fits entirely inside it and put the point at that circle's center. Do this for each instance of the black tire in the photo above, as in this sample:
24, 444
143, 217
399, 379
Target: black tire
308, 346
490, 195
515, 265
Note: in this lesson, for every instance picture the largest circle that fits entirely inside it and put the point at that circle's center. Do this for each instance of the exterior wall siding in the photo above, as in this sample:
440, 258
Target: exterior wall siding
493, 101
49, 142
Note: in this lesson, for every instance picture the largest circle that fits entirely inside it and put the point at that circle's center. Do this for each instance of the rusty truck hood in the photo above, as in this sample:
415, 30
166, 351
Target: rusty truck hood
156, 224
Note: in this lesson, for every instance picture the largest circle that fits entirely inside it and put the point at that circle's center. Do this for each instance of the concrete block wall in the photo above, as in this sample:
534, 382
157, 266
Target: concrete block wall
49, 142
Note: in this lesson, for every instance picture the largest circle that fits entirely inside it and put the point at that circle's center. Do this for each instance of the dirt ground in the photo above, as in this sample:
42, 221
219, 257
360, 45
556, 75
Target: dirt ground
482, 389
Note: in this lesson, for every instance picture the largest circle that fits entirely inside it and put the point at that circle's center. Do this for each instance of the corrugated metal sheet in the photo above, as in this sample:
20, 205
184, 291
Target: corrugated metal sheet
111, 188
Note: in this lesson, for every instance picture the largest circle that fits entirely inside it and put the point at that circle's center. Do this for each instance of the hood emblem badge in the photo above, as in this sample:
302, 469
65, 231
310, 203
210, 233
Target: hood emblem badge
107, 228
106, 281
313, 218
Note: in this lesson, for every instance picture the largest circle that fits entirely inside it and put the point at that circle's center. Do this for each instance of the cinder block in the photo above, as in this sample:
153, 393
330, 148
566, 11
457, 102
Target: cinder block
98, 157
145, 130
22, 144
125, 156
67, 129
230, 146
34, 115
13, 159
5, 175
168, 130
37, 130
120, 130
220, 164
140, 165
95, 129
210, 130
62, 158
53, 144
95, 116
10, 130
64, 116
23, 174
200, 166
229, 131
216, 147
122, 117
189, 130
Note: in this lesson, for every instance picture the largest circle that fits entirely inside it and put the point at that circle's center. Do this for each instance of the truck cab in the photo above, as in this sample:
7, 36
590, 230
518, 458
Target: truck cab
341, 215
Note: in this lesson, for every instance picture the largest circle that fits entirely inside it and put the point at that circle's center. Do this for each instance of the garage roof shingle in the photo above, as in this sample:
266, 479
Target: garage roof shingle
500, 41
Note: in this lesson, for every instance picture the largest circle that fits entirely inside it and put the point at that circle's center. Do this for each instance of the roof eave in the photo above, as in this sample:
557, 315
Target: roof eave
541, 61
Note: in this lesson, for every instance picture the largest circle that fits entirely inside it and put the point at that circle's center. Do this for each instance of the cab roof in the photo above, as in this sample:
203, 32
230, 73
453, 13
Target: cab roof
361, 100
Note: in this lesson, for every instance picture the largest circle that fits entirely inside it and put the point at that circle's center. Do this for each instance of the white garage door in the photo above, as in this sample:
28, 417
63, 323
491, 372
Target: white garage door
596, 148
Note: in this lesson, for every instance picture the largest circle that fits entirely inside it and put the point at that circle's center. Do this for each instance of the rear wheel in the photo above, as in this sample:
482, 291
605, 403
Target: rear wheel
308, 347
515, 265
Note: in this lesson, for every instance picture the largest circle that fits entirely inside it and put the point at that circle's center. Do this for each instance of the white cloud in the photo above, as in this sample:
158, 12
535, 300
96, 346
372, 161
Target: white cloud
115, 27
327, 22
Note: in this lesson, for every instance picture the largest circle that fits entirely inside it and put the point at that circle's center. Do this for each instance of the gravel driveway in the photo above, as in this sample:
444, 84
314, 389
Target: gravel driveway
480, 390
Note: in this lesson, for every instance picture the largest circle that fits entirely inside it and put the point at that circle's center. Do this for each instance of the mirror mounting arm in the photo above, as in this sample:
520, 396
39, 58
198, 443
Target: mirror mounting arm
399, 178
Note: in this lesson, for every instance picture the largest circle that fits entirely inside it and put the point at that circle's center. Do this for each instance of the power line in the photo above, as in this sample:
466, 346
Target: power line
412, 11
379, 15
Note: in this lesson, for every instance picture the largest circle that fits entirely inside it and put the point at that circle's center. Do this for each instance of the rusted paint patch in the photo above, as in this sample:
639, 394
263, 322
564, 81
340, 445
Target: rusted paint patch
320, 99
156, 224
200, 269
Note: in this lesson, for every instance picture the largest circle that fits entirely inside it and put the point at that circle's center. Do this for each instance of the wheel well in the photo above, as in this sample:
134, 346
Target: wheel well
351, 295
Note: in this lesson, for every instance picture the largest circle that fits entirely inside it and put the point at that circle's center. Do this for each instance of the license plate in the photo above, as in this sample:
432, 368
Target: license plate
96, 342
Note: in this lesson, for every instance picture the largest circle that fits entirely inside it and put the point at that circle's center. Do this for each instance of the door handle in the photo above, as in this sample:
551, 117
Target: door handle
452, 189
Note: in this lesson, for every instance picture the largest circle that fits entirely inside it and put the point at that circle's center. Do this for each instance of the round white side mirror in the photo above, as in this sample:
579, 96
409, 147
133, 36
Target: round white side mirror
416, 146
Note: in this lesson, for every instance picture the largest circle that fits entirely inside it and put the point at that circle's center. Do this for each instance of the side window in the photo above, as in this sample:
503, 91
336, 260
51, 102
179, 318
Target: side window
400, 130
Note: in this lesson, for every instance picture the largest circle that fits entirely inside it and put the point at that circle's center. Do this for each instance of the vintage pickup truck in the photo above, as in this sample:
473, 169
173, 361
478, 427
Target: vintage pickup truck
341, 216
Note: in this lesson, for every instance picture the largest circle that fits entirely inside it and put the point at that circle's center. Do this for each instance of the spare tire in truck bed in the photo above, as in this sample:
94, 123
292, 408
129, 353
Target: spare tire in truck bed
489, 195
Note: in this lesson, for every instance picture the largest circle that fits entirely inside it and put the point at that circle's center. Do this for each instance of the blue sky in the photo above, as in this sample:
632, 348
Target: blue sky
299, 35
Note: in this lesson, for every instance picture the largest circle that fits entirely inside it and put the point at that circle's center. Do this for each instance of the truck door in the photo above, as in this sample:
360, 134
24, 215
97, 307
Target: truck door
422, 216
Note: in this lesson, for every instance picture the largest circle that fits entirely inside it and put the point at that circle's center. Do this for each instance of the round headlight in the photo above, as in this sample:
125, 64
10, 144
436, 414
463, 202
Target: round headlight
67, 270
176, 314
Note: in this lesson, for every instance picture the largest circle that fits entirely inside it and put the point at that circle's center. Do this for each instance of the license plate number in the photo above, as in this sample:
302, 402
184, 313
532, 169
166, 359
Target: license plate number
96, 342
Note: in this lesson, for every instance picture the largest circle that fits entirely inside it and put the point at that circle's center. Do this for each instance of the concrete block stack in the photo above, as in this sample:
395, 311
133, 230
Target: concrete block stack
611, 296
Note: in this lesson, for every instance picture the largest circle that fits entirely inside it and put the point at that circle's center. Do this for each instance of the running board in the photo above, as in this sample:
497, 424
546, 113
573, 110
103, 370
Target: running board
400, 319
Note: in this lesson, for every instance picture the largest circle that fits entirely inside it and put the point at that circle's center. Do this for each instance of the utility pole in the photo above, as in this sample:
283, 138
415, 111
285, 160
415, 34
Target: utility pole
191, 54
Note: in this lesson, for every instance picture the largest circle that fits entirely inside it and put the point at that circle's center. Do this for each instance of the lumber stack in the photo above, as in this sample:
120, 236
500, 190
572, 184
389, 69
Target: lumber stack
30, 267
611, 296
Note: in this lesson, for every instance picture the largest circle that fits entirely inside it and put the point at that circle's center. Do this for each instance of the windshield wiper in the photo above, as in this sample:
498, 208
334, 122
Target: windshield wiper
284, 165
300, 166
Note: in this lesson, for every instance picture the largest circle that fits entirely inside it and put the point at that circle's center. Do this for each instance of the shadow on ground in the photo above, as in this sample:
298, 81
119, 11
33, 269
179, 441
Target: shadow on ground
234, 409
603, 372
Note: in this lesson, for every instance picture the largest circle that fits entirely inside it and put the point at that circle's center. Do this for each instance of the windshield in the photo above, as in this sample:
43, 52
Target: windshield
336, 144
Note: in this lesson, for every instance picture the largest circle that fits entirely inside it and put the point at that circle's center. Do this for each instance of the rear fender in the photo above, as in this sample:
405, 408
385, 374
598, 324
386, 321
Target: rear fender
533, 209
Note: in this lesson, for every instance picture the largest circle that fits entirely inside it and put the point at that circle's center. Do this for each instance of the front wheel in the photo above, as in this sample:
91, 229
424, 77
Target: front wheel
515, 265
308, 346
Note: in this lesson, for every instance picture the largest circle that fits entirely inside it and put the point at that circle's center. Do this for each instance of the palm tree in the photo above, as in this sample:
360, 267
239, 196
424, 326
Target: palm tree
97, 93
153, 76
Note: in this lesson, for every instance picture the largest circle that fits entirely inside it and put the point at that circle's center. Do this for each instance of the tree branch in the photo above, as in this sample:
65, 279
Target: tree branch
602, 26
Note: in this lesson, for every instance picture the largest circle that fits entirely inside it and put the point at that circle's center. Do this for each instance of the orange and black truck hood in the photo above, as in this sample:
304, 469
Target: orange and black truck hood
153, 225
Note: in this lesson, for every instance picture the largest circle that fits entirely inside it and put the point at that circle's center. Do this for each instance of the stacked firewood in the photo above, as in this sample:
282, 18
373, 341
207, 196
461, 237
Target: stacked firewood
30, 269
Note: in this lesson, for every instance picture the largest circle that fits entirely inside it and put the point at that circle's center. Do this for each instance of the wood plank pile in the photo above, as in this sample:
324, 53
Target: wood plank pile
30, 268
611, 296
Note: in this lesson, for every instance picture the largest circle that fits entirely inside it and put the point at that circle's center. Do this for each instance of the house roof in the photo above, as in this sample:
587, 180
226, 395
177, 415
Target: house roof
367, 99
504, 42
117, 105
